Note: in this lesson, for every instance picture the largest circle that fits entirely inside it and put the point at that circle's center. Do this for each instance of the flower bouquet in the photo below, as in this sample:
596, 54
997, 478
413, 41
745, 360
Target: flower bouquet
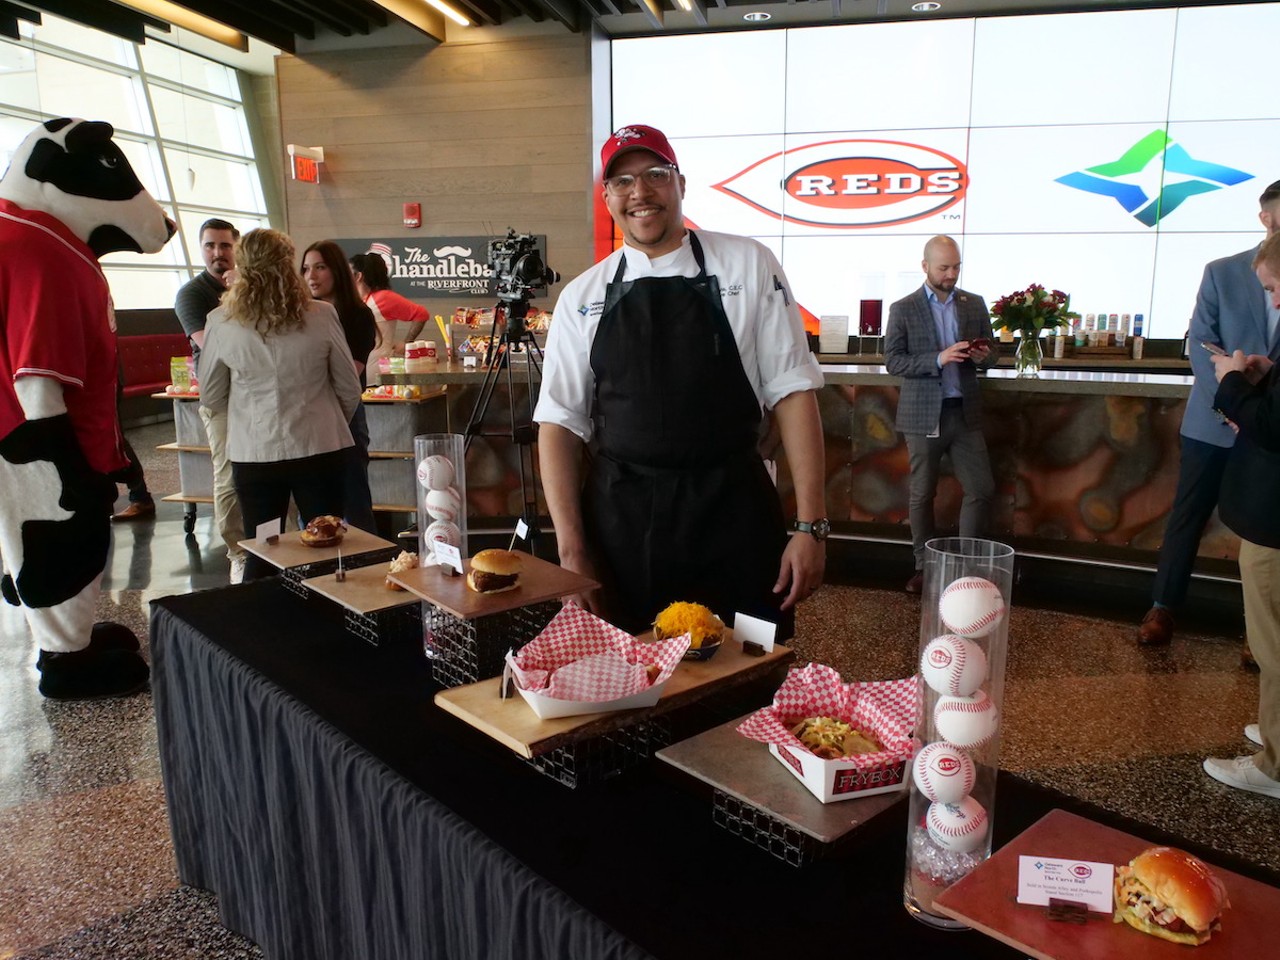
1028, 312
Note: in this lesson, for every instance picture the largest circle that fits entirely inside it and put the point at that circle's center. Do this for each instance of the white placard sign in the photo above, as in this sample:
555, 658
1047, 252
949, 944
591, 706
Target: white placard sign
269, 528
754, 630
1080, 881
447, 555
833, 334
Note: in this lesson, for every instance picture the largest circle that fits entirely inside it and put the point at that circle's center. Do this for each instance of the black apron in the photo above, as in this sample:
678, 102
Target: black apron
678, 504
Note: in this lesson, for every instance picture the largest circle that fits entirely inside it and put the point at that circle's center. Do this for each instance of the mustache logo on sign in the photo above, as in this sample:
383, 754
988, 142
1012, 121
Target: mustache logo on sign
451, 251
851, 183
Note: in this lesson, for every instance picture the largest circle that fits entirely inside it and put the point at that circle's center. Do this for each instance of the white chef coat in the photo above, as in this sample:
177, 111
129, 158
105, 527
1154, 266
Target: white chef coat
761, 309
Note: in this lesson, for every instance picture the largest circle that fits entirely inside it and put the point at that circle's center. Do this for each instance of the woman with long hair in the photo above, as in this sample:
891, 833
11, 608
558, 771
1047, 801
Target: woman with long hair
399, 319
277, 362
328, 278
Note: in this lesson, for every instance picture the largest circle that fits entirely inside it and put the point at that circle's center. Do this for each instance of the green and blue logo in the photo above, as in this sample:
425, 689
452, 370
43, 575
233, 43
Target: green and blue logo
1123, 179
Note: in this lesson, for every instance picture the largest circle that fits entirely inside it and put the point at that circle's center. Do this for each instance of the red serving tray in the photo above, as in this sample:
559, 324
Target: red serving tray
987, 901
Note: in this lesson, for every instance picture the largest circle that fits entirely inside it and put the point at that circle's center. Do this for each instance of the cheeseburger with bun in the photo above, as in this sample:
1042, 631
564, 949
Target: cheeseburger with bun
493, 571
325, 531
1170, 894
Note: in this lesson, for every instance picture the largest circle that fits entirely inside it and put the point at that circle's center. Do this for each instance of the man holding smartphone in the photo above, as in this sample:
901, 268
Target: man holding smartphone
1232, 313
938, 339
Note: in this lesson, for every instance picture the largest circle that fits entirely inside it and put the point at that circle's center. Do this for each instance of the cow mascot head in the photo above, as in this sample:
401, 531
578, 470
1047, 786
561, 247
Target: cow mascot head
68, 197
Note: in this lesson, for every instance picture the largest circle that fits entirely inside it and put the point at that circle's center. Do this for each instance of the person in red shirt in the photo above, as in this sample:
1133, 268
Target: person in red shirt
399, 319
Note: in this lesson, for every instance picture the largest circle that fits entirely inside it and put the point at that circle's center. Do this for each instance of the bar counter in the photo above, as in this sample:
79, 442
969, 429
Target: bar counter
1085, 461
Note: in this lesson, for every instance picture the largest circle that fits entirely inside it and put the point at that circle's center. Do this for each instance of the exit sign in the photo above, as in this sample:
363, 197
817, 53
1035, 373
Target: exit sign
304, 162
308, 171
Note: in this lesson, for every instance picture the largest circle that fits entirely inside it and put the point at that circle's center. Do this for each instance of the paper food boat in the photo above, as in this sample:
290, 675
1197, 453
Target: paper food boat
574, 636
886, 708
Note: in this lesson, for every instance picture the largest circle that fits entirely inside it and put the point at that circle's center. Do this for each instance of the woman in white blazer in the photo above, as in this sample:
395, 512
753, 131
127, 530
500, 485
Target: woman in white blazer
277, 362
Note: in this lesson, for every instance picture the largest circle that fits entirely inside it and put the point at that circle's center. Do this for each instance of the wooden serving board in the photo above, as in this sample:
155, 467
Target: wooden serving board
290, 551
513, 723
364, 590
987, 901
539, 581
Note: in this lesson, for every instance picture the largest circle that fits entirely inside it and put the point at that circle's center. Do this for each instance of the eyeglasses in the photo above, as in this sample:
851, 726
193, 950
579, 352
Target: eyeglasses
655, 177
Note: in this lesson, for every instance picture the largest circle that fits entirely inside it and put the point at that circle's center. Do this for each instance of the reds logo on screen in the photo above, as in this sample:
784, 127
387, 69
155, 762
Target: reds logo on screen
851, 183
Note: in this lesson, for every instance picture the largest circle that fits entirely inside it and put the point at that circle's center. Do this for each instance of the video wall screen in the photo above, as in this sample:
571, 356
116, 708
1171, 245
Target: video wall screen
1110, 155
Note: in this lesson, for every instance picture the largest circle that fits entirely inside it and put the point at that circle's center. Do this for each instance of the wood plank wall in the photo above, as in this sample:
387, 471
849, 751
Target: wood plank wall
485, 136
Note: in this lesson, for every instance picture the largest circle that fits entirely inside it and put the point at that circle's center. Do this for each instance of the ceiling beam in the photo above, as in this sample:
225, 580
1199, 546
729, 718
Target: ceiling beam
699, 11
418, 15
246, 20
9, 26
483, 10
107, 17
14, 11
281, 14
566, 11
652, 11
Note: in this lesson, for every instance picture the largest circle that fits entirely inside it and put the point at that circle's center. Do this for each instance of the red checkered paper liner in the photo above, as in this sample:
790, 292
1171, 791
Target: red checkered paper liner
885, 707
582, 658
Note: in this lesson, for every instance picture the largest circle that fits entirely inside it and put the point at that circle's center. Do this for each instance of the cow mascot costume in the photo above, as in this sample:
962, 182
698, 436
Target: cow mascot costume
68, 197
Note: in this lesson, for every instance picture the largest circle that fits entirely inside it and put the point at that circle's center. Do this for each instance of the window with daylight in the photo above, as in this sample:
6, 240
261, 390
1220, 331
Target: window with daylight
178, 117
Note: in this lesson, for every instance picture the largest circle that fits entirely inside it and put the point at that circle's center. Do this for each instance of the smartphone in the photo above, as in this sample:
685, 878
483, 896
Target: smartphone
1213, 348
980, 342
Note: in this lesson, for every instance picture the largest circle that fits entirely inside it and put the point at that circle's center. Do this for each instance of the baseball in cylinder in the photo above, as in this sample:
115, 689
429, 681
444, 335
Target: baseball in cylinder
971, 606
944, 773
958, 827
443, 531
444, 504
966, 722
436, 473
953, 665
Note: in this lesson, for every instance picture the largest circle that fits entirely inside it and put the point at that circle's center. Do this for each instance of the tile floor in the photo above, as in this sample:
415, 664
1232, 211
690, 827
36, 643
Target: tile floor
86, 867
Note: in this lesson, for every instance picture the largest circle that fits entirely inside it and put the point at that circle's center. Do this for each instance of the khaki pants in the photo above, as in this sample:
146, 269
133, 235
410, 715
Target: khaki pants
1260, 575
226, 508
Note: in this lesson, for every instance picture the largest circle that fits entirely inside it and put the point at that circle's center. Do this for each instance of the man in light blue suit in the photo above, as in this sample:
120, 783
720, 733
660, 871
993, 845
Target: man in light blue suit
1232, 312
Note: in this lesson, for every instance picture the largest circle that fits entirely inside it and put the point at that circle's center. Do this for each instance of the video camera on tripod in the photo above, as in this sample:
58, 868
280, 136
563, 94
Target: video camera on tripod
518, 267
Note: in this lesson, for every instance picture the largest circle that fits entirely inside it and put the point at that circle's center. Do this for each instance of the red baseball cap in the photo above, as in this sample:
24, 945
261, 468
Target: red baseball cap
635, 137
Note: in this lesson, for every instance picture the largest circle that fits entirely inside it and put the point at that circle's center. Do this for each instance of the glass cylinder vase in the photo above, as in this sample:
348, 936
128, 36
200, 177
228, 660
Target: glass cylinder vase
964, 617
1028, 359
440, 462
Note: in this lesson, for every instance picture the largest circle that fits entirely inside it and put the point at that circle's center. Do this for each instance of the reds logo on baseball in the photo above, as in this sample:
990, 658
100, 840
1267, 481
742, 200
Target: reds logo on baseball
946, 766
852, 183
1083, 871
940, 657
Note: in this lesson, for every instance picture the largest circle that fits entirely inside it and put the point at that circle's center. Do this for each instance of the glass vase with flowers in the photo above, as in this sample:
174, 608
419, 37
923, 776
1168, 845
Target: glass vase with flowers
1028, 312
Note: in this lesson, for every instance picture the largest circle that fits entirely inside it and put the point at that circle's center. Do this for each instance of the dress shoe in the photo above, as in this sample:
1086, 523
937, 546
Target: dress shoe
1156, 627
1241, 773
135, 511
916, 583
1254, 733
1247, 659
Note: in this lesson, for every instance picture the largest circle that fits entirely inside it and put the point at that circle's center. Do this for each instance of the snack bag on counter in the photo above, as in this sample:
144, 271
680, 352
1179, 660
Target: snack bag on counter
579, 664
180, 374
816, 703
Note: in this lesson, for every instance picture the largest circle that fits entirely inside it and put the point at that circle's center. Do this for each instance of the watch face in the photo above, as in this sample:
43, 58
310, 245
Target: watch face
821, 528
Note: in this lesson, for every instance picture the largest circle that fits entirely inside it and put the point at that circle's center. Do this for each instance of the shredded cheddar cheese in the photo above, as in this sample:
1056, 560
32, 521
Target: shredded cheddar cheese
680, 618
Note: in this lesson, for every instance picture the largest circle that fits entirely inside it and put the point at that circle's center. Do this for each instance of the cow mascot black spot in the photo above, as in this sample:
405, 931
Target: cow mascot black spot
68, 197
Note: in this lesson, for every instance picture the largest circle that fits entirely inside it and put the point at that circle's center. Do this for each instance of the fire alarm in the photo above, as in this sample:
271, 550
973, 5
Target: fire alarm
412, 215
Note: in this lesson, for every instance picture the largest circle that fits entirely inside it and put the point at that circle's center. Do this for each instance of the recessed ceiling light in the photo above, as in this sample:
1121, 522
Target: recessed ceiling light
927, 6
757, 16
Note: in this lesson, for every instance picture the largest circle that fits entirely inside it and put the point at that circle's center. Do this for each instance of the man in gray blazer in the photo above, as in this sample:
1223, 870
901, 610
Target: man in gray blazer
1232, 311
938, 339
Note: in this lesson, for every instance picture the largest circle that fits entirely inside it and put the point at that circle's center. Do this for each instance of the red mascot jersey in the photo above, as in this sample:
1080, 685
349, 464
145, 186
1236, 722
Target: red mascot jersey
55, 321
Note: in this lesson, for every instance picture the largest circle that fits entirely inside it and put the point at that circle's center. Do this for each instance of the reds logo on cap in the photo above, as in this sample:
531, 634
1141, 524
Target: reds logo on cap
637, 136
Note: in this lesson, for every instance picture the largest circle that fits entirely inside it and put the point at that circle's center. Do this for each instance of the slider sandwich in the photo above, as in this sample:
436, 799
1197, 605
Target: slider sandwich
493, 571
1171, 895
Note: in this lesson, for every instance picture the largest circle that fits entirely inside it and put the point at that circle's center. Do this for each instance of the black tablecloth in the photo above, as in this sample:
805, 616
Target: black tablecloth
337, 813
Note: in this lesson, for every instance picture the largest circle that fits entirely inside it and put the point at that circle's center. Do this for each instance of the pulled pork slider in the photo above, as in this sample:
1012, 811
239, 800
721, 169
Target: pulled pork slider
1170, 894
325, 531
493, 571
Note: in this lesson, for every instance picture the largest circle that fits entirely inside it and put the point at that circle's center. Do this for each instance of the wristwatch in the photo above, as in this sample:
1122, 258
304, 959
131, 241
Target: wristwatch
818, 529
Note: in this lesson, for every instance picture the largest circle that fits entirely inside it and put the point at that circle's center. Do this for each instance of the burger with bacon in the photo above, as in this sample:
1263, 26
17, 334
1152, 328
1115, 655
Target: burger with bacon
1170, 894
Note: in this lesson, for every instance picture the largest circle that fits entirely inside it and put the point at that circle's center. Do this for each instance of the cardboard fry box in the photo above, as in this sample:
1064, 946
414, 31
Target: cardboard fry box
574, 635
885, 708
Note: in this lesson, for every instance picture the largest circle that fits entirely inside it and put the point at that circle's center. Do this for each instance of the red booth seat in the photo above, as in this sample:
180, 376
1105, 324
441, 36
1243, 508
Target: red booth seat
145, 359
